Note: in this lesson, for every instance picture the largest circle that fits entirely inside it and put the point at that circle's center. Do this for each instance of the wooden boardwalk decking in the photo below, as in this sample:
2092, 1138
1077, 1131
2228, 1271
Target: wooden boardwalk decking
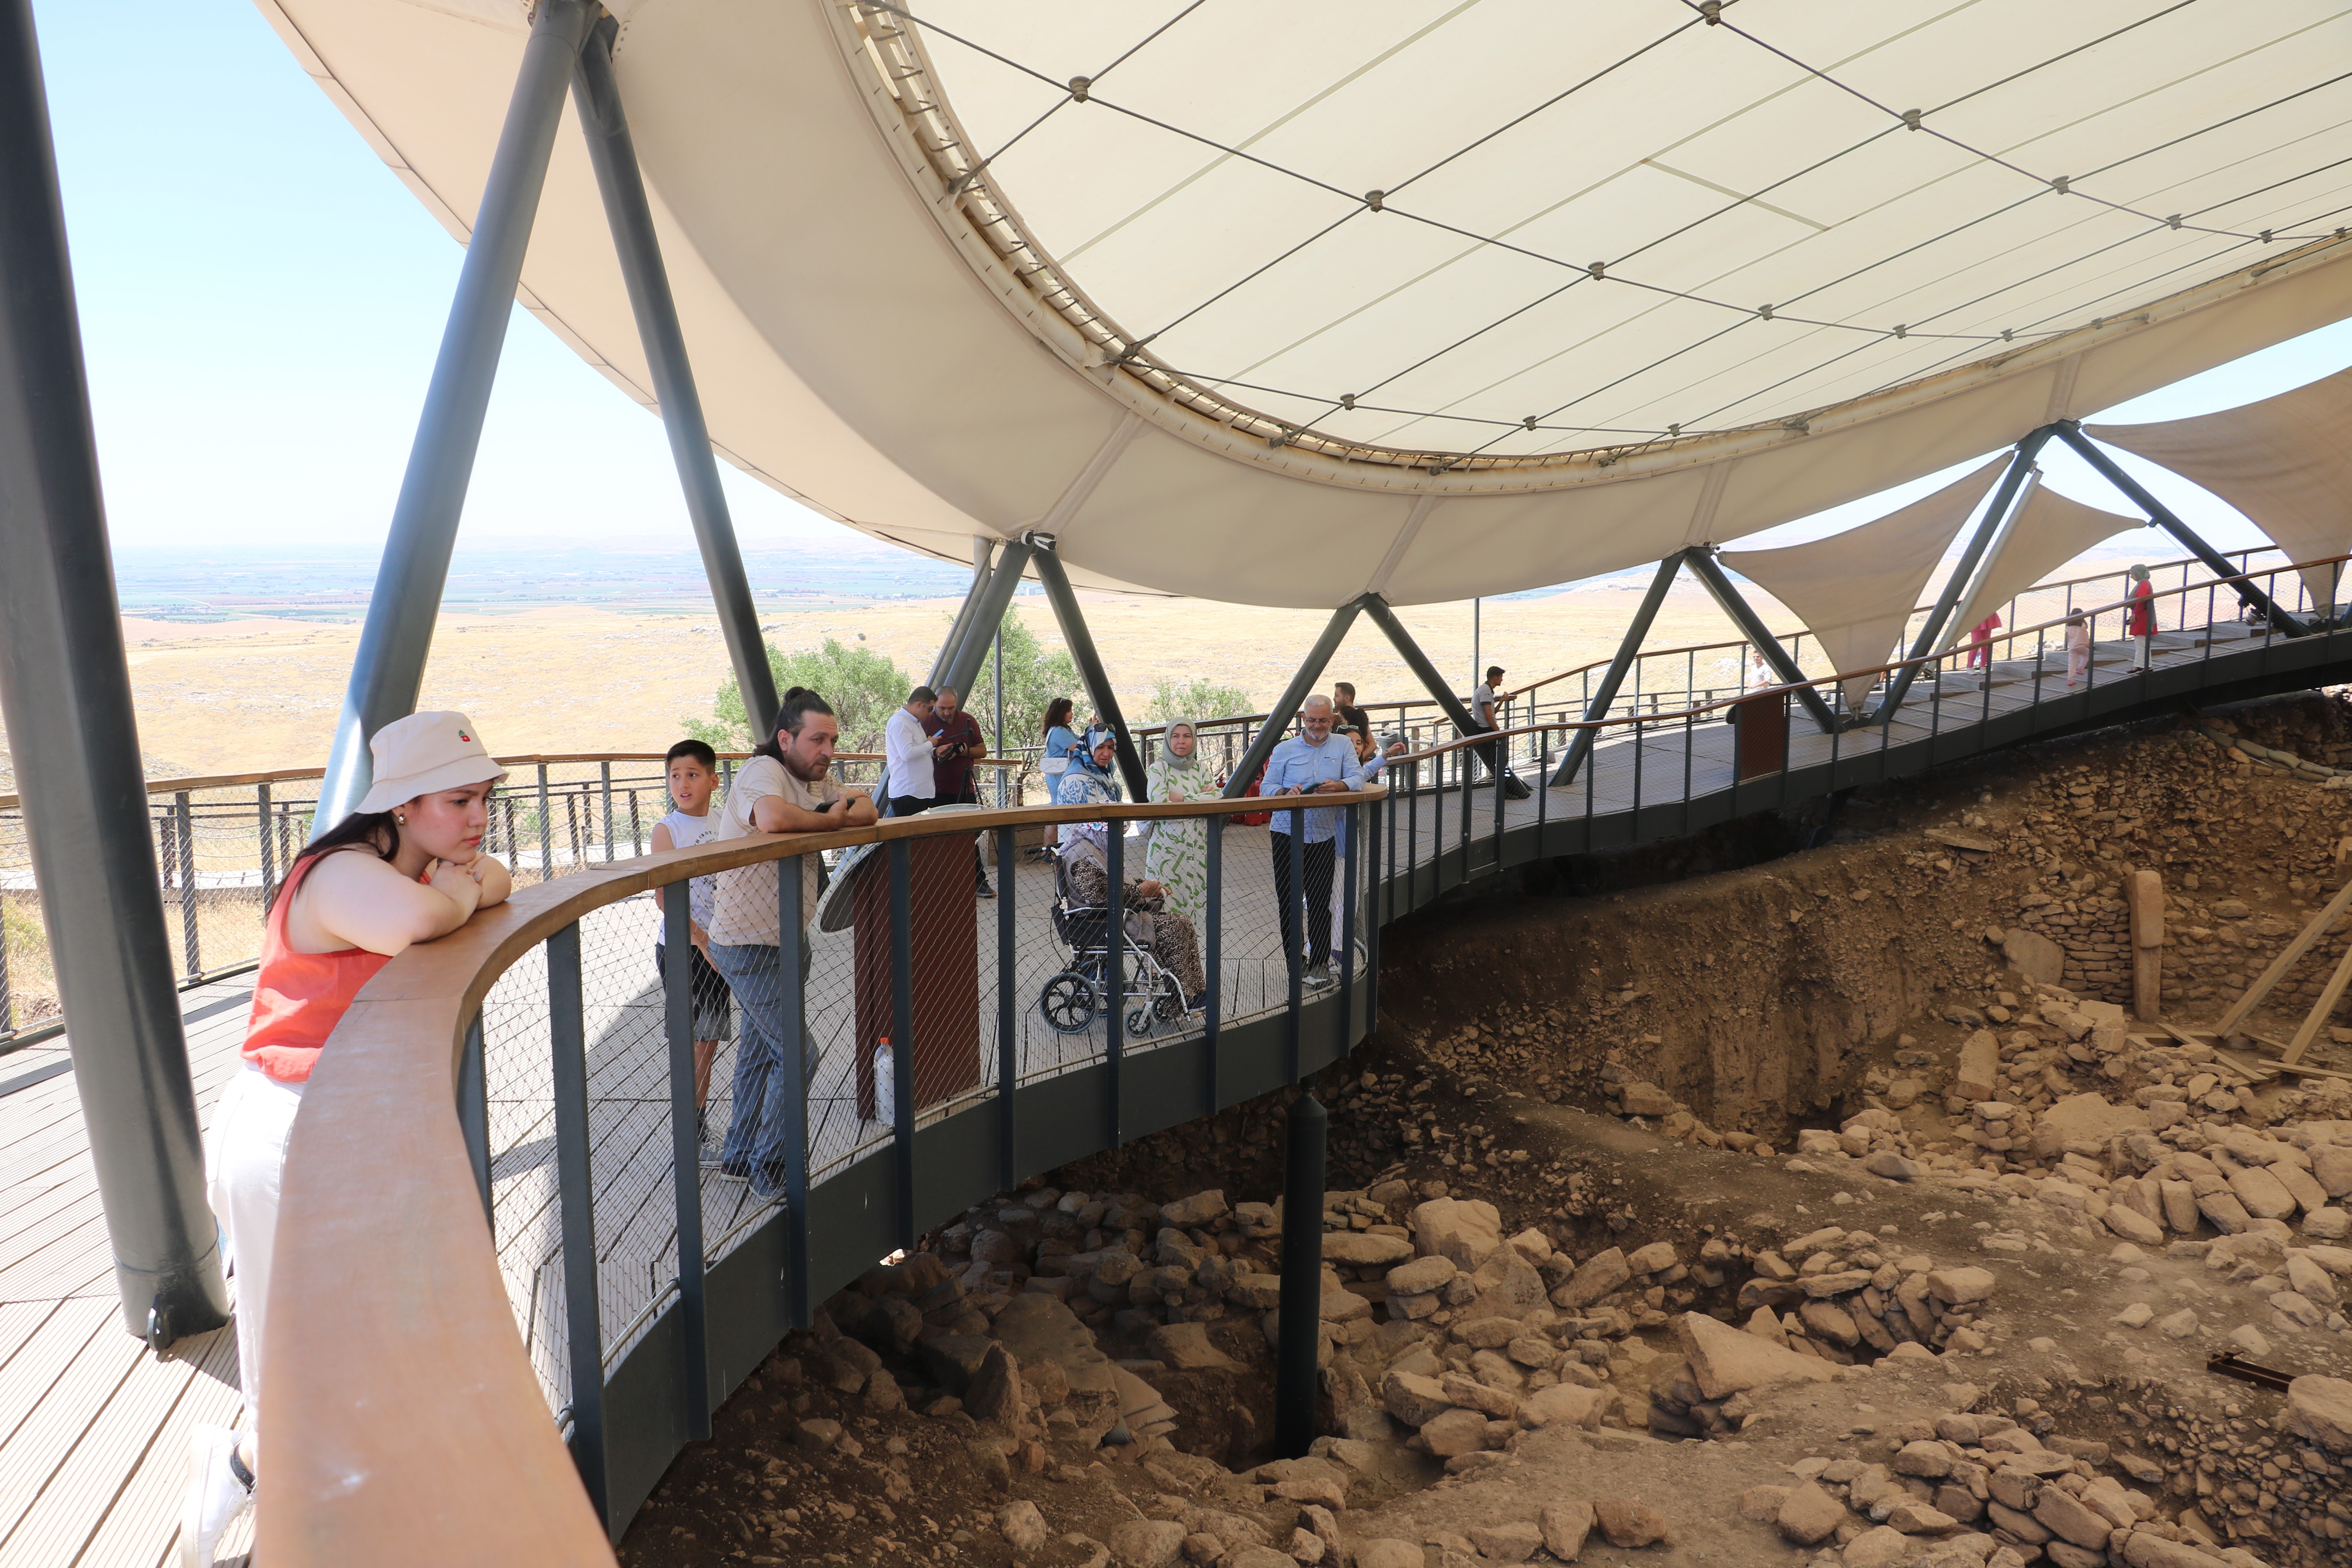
94, 1430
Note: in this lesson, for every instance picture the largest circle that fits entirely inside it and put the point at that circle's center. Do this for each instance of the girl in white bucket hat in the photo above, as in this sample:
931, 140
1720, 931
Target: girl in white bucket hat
407, 867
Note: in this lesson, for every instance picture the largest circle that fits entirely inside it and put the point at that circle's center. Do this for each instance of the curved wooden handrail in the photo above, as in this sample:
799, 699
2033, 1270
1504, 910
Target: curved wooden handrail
405, 1424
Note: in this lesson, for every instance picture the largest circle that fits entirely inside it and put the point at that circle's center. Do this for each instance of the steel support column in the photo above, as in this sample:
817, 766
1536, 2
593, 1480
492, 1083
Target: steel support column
1056, 583
65, 693
1709, 571
988, 616
1629, 648
2068, 431
1286, 706
2012, 483
398, 632
1435, 683
606, 127
952, 646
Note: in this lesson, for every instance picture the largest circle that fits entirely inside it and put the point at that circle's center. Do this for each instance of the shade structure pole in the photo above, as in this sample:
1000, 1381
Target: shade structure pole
961, 627
1709, 571
1629, 648
398, 632
2012, 485
1286, 706
606, 126
988, 618
1056, 583
1418, 662
2068, 431
65, 695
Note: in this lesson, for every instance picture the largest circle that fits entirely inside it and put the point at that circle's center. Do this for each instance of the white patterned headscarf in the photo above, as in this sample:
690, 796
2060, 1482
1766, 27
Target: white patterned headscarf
1086, 789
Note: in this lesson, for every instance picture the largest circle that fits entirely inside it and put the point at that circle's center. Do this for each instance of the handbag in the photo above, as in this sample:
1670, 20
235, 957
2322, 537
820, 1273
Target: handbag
1253, 818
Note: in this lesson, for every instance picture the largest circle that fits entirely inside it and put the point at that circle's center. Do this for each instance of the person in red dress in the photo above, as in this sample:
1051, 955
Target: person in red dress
2139, 621
1981, 640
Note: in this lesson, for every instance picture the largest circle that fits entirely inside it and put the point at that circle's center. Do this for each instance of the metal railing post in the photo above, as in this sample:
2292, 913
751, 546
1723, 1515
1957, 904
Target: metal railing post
1115, 985
902, 1032
1008, 1052
268, 865
1372, 934
1351, 824
792, 965
1214, 951
685, 1156
1293, 927
474, 1116
576, 1201
191, 935
546, 829
607, 768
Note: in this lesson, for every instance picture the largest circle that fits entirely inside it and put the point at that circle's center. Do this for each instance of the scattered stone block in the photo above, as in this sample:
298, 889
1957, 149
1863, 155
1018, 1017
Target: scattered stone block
1507, 1543
1022, 1527
2320, 1408
1726, 1360
1462, 1231
1186, 1347
1147, 1543
1628, 1524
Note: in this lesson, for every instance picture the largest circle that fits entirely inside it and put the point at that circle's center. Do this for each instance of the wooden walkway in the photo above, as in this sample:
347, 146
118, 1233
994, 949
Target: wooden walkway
93, 1429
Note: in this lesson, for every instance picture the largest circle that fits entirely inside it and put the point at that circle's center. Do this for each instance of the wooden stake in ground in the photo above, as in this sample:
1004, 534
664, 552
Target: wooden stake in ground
2285, 961
2146, 897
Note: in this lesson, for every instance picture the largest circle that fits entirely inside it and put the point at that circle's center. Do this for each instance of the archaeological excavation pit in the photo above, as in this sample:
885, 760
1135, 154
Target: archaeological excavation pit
1837, 1209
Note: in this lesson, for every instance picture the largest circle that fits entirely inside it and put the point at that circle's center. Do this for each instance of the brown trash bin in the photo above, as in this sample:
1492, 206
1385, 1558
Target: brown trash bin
946, 967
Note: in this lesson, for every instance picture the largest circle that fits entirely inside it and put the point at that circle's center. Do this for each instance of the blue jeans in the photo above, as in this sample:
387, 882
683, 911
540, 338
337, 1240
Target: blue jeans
756, 1134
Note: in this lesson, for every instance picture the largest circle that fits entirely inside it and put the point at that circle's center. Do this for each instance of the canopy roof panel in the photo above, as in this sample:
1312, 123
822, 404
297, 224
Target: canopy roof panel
928, 284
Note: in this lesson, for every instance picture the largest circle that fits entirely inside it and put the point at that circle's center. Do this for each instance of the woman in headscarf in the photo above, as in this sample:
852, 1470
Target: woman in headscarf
1179, 857
1097, 763
1086, 866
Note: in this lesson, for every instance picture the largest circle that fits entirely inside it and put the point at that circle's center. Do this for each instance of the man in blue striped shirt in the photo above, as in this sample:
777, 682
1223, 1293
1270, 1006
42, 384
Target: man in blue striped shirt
1313, 762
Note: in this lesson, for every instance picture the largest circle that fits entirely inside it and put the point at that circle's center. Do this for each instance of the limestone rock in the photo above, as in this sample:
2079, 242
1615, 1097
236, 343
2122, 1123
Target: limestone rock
2181, 1325
2089, 1116
1389, 1553
1726, 1360
2261, 1193
1595, 1277
1929, 1459
1462, 1231
1563, 1403
1960, 1286
1147, 1543
1195, 1213
1420, 1276
2331, 1167
1505, 1542
1564, 1526
2033, 955
1761, 1505
1508, 1286
1186, 1346
1978, 1075
2320, 1408
2059, 1512
1454, 1432
1918, 1518
1361, 1249
1413, 1399
1811, 1515
2143, 1549
1627, 1523
1022, 1527
2133, 1225
1891, 1166
1648, 1100
1883, 1546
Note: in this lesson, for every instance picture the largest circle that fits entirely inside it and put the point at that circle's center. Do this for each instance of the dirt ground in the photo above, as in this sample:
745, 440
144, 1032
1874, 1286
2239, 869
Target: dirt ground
1674, 1092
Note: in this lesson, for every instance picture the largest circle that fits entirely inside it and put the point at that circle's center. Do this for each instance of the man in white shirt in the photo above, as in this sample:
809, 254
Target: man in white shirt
1481, 709
907, 749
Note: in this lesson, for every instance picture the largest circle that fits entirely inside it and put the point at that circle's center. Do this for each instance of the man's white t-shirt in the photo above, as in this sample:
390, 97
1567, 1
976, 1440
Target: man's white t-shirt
744, 913
909, 750
1481, 705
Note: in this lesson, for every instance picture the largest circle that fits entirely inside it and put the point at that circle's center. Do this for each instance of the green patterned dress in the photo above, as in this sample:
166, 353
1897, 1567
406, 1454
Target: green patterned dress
1179, 855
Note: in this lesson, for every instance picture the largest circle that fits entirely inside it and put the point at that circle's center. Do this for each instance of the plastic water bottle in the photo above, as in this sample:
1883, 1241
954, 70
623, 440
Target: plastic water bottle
886, 1087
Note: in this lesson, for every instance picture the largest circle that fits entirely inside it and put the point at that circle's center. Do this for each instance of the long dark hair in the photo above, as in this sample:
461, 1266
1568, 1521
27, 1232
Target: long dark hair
1057, 715
376, 830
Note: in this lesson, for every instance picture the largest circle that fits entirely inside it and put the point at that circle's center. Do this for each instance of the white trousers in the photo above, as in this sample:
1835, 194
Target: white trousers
244, 1160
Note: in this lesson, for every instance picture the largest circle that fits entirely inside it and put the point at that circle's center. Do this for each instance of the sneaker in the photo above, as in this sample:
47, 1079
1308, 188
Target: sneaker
220, 1489
1318, 977
768, 1183
986, 891
735, 1170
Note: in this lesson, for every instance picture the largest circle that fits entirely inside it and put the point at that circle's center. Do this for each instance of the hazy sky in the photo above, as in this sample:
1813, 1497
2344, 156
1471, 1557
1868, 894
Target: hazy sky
261, 302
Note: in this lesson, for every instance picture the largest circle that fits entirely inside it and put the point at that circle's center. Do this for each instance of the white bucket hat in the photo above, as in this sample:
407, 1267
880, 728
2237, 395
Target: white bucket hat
424, 752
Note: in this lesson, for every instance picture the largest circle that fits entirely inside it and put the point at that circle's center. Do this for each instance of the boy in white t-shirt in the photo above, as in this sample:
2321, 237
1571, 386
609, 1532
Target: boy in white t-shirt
693, 776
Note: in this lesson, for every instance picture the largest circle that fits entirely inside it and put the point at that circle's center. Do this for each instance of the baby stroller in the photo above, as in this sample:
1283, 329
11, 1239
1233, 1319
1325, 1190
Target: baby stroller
1073, 999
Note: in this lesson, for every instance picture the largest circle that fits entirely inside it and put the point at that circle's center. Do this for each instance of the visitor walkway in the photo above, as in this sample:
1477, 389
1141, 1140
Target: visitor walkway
92, 1456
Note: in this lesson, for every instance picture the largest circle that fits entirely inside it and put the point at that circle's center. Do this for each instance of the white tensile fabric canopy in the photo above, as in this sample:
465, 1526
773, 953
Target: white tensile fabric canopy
2036, 539
1434, 298
2285, 462
1855, 590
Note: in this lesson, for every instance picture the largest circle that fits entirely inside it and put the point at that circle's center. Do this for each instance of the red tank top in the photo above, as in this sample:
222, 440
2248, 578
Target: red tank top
300, 997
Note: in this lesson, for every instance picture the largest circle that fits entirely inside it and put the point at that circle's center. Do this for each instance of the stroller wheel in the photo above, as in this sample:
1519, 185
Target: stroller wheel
1068, 1002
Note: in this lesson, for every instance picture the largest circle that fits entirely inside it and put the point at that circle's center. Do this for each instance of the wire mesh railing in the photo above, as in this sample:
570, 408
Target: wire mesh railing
222, 844
860, 992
